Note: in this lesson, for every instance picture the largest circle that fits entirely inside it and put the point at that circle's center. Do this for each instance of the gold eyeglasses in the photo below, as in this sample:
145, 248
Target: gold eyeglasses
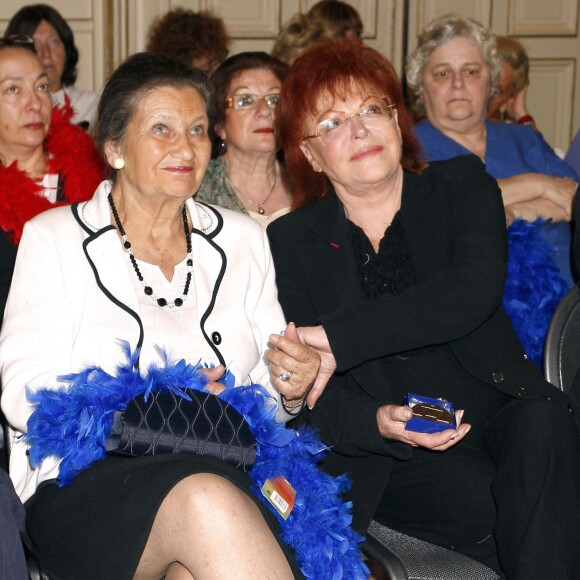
375, 110
249, 101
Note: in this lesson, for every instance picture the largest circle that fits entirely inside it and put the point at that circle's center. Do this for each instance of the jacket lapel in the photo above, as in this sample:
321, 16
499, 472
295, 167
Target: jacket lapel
330, 259
103, 250
334, 264
207, 224
427, 239
110, 268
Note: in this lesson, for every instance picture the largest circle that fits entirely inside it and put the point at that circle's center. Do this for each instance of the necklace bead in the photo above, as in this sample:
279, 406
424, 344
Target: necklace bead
148, 290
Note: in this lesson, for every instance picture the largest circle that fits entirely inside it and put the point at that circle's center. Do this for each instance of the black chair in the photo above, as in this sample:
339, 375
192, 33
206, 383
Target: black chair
35, 570
562, 348
406, 558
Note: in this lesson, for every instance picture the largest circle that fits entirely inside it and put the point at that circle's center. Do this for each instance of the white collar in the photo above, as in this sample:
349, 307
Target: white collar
95, 213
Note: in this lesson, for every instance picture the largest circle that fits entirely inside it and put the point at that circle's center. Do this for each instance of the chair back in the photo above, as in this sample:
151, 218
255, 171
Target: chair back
562, 348
407, 558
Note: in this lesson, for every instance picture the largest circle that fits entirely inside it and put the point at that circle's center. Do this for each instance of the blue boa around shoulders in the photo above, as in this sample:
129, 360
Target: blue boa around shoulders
534, 286
72, 424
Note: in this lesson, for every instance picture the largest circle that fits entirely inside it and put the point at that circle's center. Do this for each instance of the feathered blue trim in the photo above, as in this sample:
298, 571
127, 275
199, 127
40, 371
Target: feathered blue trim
534, 286
73, 423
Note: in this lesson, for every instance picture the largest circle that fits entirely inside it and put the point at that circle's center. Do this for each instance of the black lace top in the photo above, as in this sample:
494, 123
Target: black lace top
389, 271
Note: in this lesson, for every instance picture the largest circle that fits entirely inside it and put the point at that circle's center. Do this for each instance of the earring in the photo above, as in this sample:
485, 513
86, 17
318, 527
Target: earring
119, 163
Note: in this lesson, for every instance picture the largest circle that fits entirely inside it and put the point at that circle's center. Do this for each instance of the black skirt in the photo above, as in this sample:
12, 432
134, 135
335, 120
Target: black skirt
98, 526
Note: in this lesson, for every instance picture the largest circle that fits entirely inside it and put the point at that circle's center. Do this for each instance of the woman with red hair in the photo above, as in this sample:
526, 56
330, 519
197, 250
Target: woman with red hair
394, 272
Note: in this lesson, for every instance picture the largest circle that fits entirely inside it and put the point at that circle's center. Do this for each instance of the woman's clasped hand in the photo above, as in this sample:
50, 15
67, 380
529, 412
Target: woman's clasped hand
293, 365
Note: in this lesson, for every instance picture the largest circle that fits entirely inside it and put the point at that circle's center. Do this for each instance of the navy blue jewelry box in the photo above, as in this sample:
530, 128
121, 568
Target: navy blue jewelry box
429, 415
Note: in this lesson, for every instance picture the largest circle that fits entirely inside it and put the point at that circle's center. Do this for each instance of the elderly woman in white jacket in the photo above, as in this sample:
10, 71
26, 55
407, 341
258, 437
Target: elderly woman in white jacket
144, 263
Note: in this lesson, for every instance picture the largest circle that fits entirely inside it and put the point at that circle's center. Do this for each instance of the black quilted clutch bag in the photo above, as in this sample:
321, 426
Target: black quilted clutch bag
167, 423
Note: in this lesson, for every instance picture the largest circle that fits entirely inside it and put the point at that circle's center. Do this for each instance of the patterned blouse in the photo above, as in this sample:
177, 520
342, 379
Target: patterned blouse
216, 190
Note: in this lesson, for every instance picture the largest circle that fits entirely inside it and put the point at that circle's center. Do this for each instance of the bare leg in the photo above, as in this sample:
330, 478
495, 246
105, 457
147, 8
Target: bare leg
212, 529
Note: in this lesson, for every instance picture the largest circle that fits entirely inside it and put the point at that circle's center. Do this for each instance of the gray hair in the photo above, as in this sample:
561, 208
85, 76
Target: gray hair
436, 34
132, 80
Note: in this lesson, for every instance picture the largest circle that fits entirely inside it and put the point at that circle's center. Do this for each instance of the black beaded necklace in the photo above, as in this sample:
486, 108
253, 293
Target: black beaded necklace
127, 245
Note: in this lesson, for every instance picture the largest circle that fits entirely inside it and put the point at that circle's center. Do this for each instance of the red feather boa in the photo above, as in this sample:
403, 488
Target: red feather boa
71, 154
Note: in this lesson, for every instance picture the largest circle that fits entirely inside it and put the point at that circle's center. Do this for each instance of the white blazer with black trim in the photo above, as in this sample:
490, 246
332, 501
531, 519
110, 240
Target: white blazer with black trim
72, 298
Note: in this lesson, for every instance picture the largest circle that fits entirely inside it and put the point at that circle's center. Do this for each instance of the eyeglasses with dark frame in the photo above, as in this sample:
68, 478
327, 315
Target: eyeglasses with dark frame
249, 101
375, 109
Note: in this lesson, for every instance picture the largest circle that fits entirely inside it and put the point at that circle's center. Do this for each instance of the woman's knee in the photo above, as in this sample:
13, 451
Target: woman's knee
196, 515
203, 494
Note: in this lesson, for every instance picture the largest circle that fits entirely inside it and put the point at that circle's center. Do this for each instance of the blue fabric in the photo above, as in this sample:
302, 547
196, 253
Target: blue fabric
511, 149
573, 154
73, 424
539, 270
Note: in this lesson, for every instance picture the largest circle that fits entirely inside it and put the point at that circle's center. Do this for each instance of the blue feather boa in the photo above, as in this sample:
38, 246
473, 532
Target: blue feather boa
534, 286
73, 423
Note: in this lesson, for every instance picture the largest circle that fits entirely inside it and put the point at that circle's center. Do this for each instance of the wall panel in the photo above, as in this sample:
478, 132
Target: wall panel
428, 10
249, 19
553, 106
541, 18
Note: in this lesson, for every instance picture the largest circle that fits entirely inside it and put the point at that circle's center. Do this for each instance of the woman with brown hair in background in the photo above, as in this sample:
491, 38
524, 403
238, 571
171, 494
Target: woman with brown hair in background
198, 39
245, 174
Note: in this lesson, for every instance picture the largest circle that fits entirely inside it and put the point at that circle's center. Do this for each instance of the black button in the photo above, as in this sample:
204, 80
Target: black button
521, 392
548, 398
497, 377
216, 337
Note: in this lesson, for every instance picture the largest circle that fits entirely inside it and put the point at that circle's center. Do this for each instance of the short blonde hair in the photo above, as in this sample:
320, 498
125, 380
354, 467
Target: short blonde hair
326, 20
298, 34
441, 31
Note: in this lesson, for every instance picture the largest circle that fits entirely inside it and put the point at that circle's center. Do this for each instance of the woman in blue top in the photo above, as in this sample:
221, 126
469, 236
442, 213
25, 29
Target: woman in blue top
453, 73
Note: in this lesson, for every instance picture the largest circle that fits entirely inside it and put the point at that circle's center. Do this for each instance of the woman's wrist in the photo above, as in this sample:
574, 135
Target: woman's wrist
292, 407
526, 119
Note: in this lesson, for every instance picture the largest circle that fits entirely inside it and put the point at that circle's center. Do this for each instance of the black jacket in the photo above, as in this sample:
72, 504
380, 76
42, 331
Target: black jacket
454, 226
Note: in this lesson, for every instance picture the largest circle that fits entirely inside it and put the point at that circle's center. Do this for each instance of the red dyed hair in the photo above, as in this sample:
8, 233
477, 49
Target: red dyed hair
332, 67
